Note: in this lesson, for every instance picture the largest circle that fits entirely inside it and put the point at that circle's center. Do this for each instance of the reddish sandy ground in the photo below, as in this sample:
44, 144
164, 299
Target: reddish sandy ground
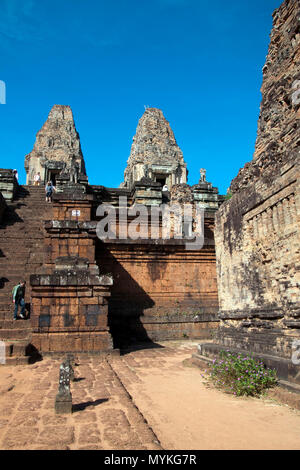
146, 399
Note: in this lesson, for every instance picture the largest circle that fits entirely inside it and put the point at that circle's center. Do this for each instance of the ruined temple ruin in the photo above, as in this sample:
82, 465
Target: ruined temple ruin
155, 153
239, 287
257, 231
95, 295
56, 143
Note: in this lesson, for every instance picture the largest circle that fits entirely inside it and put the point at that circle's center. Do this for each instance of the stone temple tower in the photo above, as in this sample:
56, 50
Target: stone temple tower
155, 153
56, 145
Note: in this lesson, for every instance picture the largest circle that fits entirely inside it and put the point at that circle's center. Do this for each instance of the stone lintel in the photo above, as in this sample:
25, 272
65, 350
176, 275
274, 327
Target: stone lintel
70, 278
57, 226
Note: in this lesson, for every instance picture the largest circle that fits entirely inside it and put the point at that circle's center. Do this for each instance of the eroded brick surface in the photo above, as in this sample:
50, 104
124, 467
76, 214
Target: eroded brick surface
103, 417
146, 399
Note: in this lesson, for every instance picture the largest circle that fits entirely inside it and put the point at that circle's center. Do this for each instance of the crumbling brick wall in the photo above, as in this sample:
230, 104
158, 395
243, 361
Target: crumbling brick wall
257, 230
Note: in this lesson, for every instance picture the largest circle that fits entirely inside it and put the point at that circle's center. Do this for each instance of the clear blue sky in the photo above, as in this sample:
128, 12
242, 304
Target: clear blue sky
200, 61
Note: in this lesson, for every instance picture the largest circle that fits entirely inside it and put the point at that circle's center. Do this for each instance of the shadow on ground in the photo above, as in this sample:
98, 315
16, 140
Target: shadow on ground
139, 347
83, 406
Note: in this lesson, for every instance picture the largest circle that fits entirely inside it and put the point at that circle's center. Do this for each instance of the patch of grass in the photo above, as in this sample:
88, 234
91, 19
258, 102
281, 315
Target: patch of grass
241, 375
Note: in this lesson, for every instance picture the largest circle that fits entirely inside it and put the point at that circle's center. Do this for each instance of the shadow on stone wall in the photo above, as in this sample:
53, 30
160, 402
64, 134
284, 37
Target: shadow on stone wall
126, 306
3, 280
10, 216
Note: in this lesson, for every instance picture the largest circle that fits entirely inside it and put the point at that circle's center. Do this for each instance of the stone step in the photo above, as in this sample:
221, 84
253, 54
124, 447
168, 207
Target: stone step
3, 297
17, 232
20, 271
25, 249
14, 270
7, 314
6, 296
15, 334
8, 239
37, 212
16, 348
37, 207
15, 325
28, 251
17, 361
22, 253
30, 206
31, 221
6, 253
18, 235
33, 195
23, 271
26, 268
13, 280
17, 213
5, 304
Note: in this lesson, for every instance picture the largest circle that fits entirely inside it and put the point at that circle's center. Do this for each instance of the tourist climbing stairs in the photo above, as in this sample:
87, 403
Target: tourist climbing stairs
21, 254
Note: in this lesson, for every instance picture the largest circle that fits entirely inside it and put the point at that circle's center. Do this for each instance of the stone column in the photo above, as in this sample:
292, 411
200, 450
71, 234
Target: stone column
63, 401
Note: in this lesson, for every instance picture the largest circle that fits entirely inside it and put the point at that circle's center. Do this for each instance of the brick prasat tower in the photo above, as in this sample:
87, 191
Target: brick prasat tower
55, 144
155, 153
94, 295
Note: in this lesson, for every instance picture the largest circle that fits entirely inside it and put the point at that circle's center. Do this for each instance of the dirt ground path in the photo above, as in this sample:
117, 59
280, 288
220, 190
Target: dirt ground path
185, 414
144, 400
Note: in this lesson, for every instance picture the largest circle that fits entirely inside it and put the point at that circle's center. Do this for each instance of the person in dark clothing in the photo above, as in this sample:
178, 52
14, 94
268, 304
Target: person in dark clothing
19, 299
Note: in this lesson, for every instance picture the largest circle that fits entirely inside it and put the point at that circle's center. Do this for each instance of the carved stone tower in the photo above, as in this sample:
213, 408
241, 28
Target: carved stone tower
155, 153
57, 143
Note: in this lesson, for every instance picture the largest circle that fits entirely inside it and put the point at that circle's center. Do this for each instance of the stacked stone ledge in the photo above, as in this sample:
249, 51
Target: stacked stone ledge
8, 185
21, 233
70, 299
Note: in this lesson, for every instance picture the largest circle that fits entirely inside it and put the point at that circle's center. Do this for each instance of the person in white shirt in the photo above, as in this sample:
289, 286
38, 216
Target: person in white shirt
37, 179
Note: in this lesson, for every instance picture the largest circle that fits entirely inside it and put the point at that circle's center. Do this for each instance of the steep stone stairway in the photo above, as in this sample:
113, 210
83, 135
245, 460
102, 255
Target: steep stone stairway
21, 254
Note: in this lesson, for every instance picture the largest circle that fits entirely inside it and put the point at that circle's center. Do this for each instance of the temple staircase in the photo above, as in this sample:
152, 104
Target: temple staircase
21, 254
